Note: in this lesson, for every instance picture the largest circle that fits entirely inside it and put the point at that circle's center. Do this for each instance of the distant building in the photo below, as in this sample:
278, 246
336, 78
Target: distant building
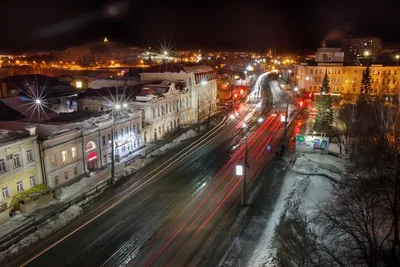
354, 48
20, 173
59, 96
329, 54
201, 80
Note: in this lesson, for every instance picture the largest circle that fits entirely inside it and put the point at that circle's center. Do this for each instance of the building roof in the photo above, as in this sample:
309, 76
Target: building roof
31, 83
22, 108
7, 136
178, 67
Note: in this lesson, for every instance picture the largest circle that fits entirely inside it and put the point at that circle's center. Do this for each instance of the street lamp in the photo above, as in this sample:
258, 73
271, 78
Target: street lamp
397, 58
116, 109
239, 117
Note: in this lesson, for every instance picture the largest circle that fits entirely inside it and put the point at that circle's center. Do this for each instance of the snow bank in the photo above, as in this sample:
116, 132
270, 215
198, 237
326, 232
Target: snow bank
189, 134
162, 150
304, 186
74, 189
51, 226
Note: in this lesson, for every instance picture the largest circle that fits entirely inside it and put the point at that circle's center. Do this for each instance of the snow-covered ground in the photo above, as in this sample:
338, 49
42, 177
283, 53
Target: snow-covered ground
50, 227
307, 182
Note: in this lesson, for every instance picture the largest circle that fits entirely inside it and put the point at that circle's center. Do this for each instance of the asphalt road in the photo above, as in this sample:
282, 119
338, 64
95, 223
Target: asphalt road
163, 218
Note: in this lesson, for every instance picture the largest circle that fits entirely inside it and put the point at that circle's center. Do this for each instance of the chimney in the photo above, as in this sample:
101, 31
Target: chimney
323, 44
31, 129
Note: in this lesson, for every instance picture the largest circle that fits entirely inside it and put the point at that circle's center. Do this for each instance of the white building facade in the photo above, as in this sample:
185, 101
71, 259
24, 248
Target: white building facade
164, 108
201, 80
71, 154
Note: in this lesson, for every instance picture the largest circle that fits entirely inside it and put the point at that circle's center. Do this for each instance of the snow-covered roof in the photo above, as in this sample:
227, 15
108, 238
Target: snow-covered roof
7, 136
50, 130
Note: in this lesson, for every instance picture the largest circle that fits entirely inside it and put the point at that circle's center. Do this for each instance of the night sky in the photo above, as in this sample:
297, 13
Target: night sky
241, 25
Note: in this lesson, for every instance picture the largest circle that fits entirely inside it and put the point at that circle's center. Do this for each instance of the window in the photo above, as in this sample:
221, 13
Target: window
6, 193
109, 156
159, 129
154, 113
312, 71
66, 175
56, 181
122, 132
104, 159
32, 181
20, 186
90, 146
2, 165
127, 130
73, 152
53, 160
166, 108
134, 128
29, 155
395, 72
138, 127
64, 155
123, 149
389, 72
109, 138
17, 160
103, 138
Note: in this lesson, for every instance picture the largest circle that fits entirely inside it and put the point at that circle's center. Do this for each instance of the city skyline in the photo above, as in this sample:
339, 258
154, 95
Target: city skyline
222, 26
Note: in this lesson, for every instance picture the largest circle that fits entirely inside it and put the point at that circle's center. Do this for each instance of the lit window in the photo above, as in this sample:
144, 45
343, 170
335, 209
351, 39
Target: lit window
29, 155
6, 193
20, 186
78, 84
64, 155
17, 160
32, 181
53, 160
2, 165
73, 152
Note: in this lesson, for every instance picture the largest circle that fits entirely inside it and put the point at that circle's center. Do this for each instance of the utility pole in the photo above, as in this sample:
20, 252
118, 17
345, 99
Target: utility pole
112, 149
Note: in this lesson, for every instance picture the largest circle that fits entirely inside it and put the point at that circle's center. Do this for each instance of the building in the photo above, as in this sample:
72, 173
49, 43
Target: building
346, 79
20, 171
329, 54
58, 96
165, 106
201, 80
354, 48
102, 99
74, 144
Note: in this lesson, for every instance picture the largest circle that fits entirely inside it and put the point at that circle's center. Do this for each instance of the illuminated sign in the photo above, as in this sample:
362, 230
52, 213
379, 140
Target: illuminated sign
92, 156
312, 143
239, 170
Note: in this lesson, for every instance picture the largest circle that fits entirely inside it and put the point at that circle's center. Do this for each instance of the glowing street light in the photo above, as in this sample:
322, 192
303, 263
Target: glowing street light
117, 106
249, 68
260, 120
232, 116
397, 58
367, 53
38, 101
125, 105
296, 88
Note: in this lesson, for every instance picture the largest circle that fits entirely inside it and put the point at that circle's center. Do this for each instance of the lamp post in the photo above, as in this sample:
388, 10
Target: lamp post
116, 109
236, 115
287, 110
38, 103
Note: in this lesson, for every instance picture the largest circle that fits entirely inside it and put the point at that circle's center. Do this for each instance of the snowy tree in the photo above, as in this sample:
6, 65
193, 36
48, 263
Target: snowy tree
324, 117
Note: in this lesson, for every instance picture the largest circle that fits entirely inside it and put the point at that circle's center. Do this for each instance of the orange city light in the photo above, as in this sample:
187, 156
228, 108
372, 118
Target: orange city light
241, 91
235, 95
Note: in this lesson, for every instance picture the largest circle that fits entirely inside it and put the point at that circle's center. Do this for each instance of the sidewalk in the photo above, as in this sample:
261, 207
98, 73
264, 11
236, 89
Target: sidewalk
77, 189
